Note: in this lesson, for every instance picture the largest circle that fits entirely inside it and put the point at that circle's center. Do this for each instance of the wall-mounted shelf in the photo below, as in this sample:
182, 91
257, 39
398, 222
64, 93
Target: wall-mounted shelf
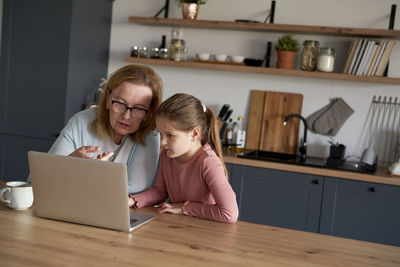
282, 28
250, 26
273, 71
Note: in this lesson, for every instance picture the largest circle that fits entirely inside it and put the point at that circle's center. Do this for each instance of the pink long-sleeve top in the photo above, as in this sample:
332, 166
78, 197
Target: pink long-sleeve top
199, 182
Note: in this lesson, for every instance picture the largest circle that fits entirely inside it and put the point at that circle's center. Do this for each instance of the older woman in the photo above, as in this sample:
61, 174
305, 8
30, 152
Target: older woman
121, 127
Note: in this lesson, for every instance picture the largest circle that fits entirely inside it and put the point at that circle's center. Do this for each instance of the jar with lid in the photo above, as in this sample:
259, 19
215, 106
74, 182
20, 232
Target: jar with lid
134, 51
309, 55
163, 53
143, 52
178, 50
326, 59
154, 53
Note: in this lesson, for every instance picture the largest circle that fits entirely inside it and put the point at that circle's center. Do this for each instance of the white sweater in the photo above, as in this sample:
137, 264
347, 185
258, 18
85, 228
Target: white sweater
141, 161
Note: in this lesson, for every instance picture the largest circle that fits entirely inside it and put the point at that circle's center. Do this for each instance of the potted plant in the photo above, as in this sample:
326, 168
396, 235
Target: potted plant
190, 8
286, 48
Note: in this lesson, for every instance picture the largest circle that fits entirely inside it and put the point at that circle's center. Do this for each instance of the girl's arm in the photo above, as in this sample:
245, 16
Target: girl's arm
225, 208
158, 193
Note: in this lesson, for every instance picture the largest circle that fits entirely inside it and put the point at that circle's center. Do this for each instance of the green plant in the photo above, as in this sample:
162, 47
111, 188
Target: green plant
199, 2
287, 43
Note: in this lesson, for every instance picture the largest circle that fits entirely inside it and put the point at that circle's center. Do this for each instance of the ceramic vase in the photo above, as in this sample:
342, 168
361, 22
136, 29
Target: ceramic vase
190, 10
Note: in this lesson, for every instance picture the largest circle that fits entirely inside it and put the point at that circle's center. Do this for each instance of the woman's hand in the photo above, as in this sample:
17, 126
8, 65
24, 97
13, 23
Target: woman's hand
131, 202
83, 152
172, 208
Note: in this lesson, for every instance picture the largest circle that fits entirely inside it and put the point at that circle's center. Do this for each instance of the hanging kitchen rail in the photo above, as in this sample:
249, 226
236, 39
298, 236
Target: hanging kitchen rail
381, 129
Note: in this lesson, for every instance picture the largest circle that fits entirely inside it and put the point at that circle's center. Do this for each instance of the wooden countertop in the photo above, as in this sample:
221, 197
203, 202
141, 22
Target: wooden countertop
177, 240
381, 175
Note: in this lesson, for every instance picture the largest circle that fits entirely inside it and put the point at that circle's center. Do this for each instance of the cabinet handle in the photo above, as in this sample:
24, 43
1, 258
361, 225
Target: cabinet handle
314, 181
371, 189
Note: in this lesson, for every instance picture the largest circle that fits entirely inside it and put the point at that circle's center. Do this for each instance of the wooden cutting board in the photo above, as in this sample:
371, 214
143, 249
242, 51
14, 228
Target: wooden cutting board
265, 130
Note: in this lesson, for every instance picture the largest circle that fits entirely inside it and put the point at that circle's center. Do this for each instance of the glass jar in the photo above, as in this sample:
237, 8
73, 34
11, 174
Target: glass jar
178, 50
143, 52
134, 51
154, 53
309, 55
326, 59
163, 53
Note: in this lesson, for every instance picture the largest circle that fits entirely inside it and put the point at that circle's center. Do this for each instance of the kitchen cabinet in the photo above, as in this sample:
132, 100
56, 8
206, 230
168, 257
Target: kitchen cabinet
282, 28
279, 198
361, 210
341, 207
53, 56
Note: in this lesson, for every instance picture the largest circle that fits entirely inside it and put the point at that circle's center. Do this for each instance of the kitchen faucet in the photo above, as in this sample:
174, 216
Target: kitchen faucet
303, 141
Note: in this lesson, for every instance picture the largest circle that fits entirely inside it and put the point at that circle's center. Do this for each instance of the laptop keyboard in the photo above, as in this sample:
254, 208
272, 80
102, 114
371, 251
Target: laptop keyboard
133, 221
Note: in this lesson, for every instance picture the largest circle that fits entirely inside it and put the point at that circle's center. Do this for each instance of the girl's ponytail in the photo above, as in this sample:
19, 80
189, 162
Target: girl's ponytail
213, 136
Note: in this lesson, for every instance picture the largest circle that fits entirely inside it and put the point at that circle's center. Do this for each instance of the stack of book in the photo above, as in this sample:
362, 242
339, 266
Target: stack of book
368, 57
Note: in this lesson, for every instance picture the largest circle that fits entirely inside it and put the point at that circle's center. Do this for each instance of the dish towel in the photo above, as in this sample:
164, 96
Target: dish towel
329, 119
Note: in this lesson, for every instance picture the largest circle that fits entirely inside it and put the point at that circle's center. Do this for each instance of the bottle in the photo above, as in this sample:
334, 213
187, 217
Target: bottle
326, 59
309, 55
163, 42
240, 136
229, 134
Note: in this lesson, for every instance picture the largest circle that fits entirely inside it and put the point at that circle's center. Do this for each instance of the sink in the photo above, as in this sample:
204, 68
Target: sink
284, 158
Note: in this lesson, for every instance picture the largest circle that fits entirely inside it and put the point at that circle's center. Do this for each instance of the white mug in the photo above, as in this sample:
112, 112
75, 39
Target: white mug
368, 156
17, 195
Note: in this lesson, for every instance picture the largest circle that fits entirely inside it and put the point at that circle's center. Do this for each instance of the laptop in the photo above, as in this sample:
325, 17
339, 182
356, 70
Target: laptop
84, 191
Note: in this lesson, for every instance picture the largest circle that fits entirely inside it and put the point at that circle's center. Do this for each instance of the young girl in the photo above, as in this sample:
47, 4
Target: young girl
192, 172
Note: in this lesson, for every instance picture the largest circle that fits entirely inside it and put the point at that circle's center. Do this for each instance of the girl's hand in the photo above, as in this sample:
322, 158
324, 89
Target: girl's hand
172, 208
83, 152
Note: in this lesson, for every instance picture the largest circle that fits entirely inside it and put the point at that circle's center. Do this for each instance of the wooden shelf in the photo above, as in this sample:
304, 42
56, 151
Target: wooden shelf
251, 26
273, 71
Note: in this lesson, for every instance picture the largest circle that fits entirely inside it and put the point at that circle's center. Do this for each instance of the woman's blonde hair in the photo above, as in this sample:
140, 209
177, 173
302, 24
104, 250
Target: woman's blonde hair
187, 112
135, 74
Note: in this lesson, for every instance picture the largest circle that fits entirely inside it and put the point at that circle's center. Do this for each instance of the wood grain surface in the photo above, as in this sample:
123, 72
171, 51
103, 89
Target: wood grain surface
177, 240
267, 112
256, 113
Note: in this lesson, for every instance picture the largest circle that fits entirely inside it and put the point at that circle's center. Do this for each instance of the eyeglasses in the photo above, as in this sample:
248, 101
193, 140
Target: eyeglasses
120, 107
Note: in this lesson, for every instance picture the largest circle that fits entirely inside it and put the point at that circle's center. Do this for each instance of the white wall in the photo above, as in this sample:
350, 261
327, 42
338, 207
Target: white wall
215, 88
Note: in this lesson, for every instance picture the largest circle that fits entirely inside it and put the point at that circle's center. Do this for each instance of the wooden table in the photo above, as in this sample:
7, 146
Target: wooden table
177, 240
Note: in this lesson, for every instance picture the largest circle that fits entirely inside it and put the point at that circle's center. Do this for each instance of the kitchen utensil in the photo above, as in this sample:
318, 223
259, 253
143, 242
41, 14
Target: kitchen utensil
265, 129
228, 114
223, 111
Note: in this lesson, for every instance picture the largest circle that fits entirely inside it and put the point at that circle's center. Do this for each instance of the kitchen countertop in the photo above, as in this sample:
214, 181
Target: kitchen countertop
381, 175
177, 240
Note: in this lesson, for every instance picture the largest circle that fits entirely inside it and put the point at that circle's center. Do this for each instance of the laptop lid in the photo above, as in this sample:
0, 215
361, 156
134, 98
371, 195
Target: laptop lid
83, 191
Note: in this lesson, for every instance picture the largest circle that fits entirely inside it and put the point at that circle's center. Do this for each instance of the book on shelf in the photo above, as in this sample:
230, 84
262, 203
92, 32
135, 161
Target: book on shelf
372, 59
361, 54
350, 55
355, 56
367, 55
385, 58
381, 48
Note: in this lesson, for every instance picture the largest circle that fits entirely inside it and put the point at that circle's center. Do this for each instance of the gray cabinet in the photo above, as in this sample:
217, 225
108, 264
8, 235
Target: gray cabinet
361, 210
279, 198
53, 56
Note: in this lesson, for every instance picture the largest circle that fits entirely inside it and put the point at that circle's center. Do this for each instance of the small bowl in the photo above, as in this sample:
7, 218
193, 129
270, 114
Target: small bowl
203, 56
237, 59
220, 58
